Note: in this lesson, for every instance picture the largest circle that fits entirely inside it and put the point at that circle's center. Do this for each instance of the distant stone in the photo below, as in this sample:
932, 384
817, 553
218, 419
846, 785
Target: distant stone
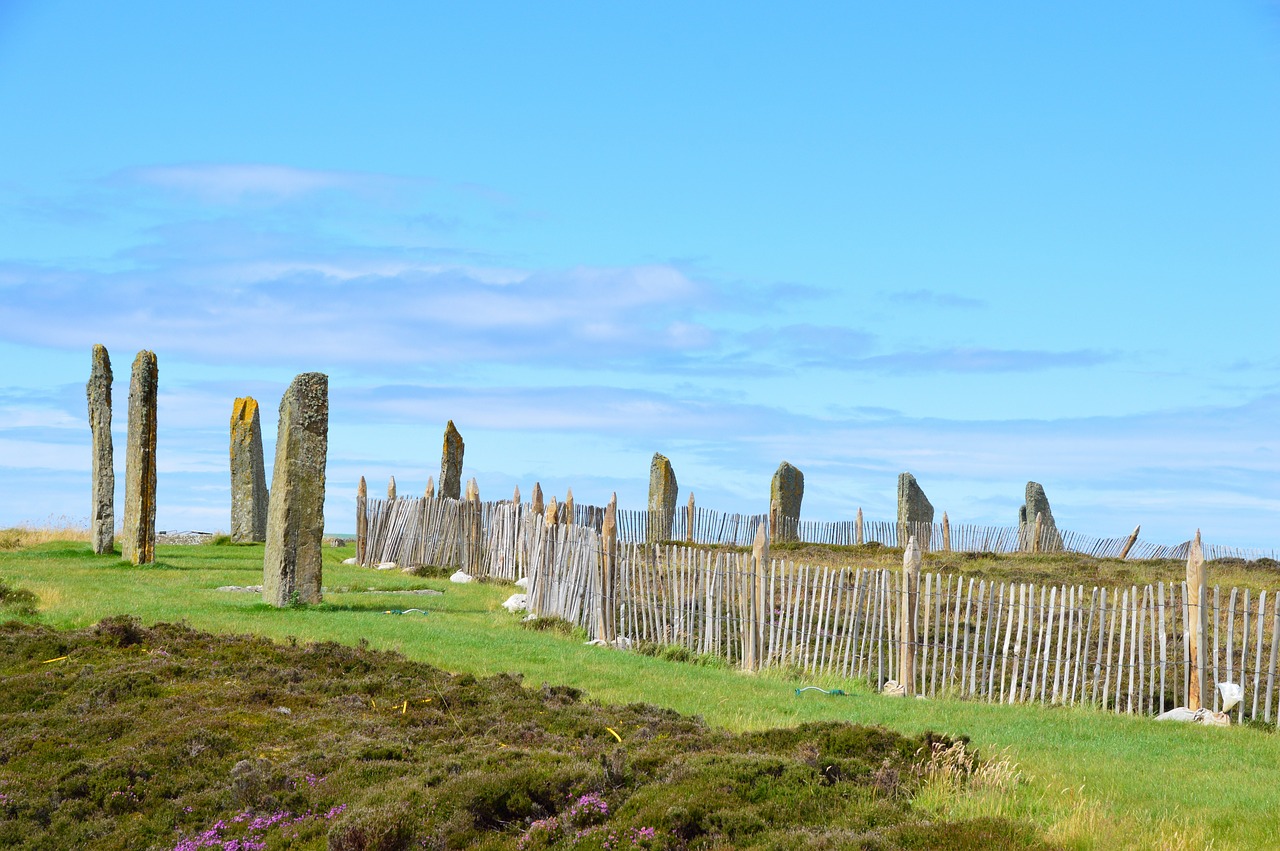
292, 565
462, 577
1037, 503
352, 560
516, 603
522, 582
430, 492
242, 589
535, 502
391, 488
662, 497
913, 508
138, 543
249, 497
451, 463
386, 565
102, 517
786, 492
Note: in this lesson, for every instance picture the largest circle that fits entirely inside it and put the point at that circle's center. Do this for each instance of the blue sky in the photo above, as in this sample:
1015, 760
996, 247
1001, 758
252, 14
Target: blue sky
981, 242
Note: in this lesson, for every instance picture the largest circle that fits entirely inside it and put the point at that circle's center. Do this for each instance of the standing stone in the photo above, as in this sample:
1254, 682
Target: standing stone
430, 492
291, 567
662, 498
102, 517
913, 508
786, 491
248, 474
535, 503
139, 542
391, 489
1037, 503
451, 463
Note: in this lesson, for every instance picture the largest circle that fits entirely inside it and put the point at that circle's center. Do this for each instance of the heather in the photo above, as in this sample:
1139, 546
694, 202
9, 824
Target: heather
122, 735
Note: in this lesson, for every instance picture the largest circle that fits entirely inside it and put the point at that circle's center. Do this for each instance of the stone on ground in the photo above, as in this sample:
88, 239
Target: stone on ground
102, 516
291, 567
249, 497
138, 543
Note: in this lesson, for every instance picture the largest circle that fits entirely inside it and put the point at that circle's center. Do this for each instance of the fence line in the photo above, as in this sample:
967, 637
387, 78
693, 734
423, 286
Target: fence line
1122, 649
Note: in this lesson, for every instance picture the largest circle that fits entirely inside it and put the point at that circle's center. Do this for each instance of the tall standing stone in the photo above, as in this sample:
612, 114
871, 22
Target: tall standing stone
786, 492
913, 508
291, 568
248, 473
662, 498
139, 542
102, 517
1037, 503
451, 463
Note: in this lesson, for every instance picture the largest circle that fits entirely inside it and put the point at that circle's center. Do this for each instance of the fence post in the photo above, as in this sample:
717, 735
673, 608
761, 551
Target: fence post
1196, 628
606, 608
857, 528
946, 533
1035, 533
753, 600
907, 616
1133, 539
688, 531
362, 522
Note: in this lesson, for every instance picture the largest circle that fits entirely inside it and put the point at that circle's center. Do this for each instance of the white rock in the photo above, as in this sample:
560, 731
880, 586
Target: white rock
893, 688
523, 582
386, 565
351, 560
530, 617
462, 577
516, 603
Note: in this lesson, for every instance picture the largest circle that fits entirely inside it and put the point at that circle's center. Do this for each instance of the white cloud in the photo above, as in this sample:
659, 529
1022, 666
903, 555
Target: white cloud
232, 183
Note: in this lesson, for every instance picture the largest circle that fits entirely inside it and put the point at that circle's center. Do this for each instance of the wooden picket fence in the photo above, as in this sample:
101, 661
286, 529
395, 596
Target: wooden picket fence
428, 531
1120, 649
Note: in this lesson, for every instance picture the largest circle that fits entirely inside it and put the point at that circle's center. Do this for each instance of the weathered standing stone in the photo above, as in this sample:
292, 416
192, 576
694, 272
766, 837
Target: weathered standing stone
1037, 503
913, 508
138, 544
451, 463
787, 492
391, 488
430, 492
291, 568
535, 502
102, 517
248, 473
662, 498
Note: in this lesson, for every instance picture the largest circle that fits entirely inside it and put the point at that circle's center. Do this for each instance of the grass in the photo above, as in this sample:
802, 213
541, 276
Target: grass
1083, 778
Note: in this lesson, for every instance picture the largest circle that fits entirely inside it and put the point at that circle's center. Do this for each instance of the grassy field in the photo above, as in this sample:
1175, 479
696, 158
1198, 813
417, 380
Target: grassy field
1086, 779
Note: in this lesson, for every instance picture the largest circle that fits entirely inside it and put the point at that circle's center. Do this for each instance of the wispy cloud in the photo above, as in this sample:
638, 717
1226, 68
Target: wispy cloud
979, 360
222, 183
933, 298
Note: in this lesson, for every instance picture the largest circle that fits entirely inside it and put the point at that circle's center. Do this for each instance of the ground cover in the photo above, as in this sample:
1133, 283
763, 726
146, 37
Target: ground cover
1087, 779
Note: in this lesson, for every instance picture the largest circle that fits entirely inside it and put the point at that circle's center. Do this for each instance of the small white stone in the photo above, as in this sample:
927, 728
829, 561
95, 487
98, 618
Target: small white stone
351, 560
386, 565
523, 582
516, 603
461, 577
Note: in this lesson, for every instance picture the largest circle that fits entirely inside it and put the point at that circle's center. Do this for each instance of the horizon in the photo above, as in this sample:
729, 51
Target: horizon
986, 246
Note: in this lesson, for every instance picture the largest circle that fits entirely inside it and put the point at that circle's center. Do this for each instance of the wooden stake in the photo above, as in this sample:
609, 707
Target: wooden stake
946, 533
1128, 545
907, 630
857, 529
1196, 629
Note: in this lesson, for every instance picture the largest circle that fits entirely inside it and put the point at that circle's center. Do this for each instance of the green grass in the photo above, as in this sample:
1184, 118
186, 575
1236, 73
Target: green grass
1088, 779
